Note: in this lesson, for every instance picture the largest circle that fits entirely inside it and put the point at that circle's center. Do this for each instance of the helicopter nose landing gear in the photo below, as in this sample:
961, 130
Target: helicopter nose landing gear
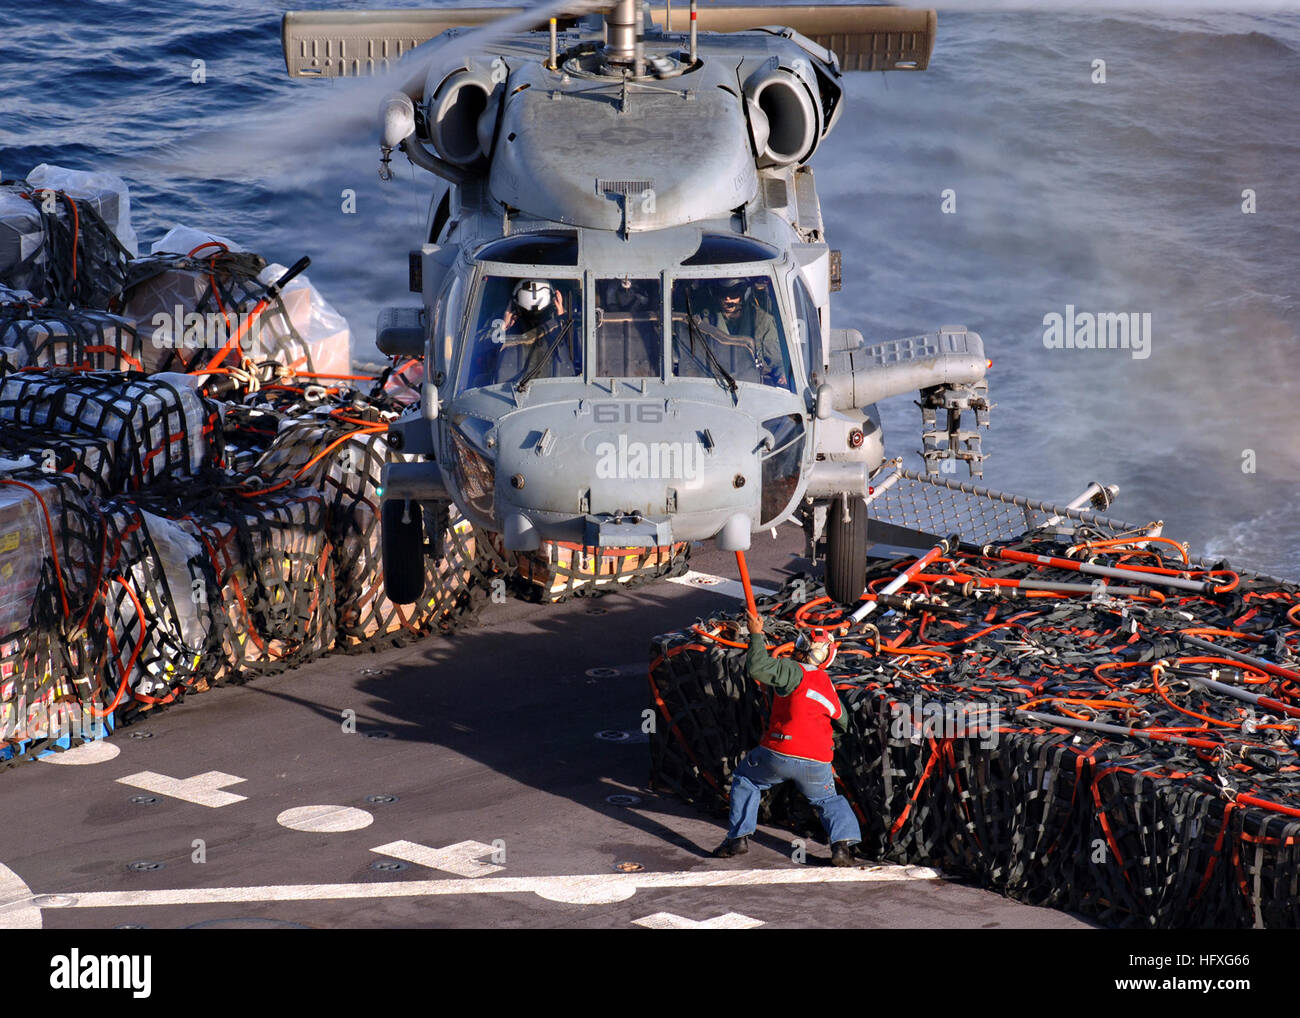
846, 549
402, 544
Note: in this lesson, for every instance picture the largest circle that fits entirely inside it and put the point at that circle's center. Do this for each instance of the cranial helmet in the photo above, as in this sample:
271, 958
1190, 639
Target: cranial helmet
533, 294
817, 650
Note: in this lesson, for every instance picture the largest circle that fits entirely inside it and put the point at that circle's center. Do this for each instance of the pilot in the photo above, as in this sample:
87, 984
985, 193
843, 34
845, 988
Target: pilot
798, 745
534, 318
740, 314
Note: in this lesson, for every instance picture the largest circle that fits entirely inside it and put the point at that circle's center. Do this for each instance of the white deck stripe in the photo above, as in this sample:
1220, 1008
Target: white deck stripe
460, 858
717, 584
596, 889
671, 921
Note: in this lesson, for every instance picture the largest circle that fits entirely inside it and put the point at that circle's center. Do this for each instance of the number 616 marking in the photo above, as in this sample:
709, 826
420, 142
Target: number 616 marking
626, 413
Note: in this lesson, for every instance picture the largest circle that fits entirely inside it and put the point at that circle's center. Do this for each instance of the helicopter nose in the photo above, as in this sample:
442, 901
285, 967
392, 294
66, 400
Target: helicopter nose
696, 470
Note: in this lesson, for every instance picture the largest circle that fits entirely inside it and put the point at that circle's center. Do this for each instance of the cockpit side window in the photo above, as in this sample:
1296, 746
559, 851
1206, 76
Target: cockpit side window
525, 328
729, 327
809, 325
629, 328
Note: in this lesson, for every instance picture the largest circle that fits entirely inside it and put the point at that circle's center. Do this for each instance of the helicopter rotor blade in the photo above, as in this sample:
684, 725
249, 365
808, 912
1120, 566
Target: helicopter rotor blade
865, 37
348, 44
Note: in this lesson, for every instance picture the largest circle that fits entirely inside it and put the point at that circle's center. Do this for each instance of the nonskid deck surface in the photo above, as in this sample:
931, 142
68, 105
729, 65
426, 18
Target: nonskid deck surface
488, 743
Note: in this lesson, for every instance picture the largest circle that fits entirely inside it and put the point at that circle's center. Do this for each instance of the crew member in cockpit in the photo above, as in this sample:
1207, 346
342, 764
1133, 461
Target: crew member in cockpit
534, 319
738, 314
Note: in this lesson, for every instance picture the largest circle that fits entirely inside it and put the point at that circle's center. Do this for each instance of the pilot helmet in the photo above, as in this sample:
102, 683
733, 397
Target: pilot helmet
732, 288
533, 295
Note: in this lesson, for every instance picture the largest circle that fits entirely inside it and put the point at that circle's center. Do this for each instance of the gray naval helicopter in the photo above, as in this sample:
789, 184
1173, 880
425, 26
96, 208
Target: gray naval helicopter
626, 284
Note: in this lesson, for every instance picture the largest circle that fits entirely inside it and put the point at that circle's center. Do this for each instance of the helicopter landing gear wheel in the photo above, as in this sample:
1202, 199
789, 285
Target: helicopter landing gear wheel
846, 550
402, 542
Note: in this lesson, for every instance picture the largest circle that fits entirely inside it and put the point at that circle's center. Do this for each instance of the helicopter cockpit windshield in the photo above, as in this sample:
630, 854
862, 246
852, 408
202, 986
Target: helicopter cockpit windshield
729, 324
525, 328
629, 328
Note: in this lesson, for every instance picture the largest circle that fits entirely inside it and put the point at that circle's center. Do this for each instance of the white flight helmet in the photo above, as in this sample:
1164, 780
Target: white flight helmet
533, 294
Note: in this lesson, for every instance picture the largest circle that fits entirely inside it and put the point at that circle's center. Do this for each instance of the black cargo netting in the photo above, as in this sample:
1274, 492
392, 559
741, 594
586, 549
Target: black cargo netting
52, 632
340, 452
76, 260
74, 337
559, 570
1182, 812
274, 567
87, 458
159, 427
163, 605
214, 285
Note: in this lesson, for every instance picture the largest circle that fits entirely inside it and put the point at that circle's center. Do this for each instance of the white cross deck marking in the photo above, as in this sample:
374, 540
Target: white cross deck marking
202, 789
595, 889
717, 585
460, 858
670, 921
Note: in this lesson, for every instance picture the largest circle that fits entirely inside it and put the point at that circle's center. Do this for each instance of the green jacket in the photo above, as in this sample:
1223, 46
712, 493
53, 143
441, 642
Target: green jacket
761, 327
782, 674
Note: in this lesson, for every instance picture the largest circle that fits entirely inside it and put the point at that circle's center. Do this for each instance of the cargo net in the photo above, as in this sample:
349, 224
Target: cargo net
940, 506
58, 248
211, 287
340, 451
222, 326
52, 632
156, 428
1130, 756
210, 588
559, 570
89, 459
75, 338
164, 634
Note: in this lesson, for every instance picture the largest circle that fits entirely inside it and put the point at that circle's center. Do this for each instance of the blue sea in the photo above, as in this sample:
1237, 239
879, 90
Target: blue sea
1107, 197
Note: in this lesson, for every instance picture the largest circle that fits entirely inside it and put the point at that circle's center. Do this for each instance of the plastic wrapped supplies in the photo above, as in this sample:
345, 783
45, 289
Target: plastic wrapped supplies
106, 192
316, 338
22, 242
158, 428
184, 239
74, 337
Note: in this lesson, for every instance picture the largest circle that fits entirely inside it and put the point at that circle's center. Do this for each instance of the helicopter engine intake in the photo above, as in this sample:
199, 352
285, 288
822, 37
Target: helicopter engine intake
785, 116
462, 110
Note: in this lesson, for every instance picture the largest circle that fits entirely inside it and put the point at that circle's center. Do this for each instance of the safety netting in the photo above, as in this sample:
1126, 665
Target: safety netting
560, 569
1125, 749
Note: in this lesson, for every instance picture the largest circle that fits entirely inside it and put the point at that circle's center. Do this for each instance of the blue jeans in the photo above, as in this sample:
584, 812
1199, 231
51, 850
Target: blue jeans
764, 768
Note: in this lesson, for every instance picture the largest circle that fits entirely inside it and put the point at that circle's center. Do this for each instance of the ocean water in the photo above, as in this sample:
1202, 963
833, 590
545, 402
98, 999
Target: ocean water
1114, 197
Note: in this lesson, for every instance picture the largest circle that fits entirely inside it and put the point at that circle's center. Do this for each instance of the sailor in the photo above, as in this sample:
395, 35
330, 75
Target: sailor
534, 318
740, 314
798, 745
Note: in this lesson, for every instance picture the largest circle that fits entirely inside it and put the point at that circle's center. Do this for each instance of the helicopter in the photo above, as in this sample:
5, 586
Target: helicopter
625, 317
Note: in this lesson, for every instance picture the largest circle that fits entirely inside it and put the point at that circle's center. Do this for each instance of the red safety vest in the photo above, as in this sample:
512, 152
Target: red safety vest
800, 723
